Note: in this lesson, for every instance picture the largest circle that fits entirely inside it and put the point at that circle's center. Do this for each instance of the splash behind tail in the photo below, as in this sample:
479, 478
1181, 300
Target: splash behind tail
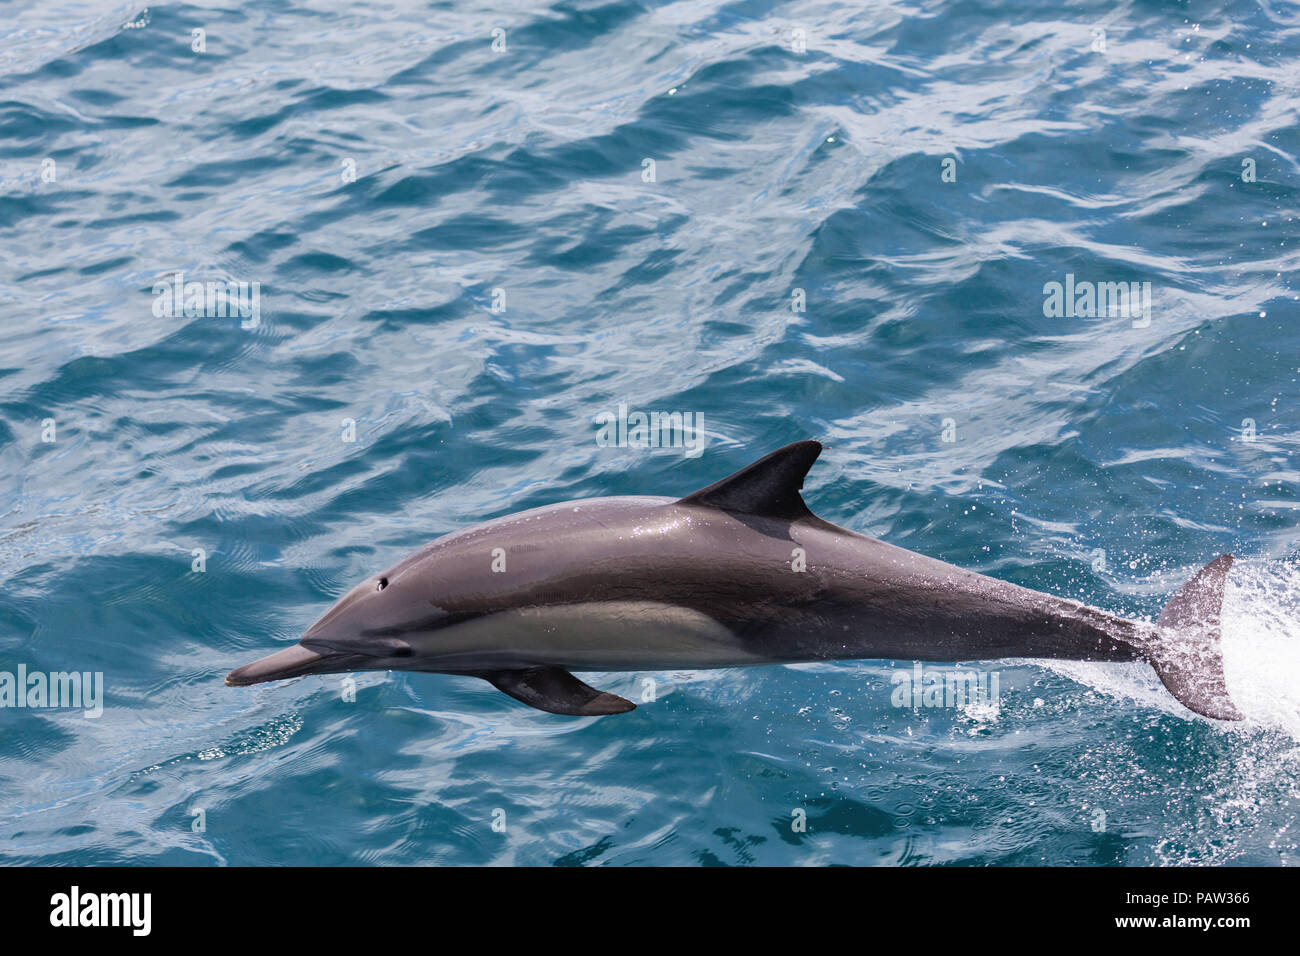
1186, 653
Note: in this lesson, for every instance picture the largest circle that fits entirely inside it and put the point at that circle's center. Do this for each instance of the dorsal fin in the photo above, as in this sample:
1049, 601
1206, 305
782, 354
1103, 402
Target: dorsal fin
769, 487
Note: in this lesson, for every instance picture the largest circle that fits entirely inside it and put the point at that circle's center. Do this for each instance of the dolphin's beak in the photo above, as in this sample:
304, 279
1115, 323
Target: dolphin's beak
291, 662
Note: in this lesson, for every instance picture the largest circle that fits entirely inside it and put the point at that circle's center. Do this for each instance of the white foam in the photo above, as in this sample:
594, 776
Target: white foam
1261, 643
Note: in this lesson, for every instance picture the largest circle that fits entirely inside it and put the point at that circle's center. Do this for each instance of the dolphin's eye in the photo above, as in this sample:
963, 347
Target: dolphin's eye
383, 583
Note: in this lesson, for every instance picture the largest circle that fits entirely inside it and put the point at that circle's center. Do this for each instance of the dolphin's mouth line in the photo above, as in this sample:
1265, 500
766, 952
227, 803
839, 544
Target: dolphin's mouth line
295, 661
387, 641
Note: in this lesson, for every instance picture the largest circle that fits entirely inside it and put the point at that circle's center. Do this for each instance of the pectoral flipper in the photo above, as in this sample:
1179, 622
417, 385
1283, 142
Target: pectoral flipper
556, 691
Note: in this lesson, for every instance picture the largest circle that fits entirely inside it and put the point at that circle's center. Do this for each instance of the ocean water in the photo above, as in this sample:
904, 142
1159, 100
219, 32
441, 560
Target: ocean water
476, 227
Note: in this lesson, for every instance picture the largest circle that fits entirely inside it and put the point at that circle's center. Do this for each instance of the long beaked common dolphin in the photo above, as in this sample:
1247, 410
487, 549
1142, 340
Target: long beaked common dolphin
738, 573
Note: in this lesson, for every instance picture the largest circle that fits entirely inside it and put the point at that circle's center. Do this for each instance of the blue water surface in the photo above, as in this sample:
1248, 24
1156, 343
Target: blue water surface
475, 228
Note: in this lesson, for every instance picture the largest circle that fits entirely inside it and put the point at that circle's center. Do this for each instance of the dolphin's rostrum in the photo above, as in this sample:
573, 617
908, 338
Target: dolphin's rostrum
738, 573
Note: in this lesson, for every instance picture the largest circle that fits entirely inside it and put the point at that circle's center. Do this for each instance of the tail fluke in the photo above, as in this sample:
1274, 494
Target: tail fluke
1186, 653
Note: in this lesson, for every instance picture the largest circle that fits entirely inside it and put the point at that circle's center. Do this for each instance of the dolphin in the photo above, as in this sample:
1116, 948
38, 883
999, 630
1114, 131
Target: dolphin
738, 573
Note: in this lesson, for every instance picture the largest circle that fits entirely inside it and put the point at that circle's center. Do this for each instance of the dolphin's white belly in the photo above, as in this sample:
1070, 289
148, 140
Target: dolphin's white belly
600, 635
